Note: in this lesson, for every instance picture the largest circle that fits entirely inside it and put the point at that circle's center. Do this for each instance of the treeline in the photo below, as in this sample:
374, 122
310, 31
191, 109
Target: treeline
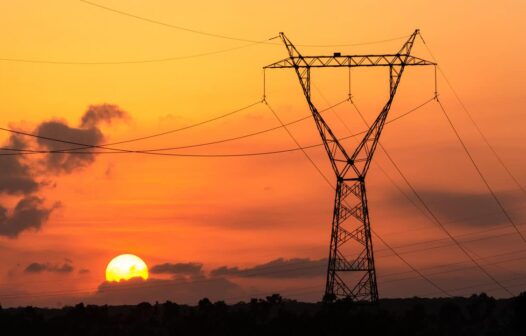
477, 315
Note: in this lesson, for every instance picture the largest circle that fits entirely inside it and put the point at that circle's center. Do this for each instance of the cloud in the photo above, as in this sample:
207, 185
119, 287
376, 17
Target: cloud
190, 268
66, 162
88, 133
277, 269
218, 285
178, 290
36, 267
84, 271
16, 178
102, 113
469, 208
29, 213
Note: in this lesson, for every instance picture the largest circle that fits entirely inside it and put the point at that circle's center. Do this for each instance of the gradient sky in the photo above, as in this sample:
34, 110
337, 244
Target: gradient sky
209, 224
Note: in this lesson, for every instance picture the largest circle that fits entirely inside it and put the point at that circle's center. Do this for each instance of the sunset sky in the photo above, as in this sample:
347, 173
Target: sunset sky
237, 227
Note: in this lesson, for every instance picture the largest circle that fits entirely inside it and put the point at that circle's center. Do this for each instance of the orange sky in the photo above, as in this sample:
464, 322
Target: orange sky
244, 212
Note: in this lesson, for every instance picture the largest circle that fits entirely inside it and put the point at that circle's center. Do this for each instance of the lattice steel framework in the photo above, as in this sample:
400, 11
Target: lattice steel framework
351, 271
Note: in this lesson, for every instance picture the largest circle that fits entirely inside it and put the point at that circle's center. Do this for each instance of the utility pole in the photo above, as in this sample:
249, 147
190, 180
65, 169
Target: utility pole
351, 272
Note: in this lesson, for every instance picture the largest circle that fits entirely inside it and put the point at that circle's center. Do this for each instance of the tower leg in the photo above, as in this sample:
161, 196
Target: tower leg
351, 271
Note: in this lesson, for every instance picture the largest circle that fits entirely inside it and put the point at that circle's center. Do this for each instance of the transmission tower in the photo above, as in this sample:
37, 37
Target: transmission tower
351, 271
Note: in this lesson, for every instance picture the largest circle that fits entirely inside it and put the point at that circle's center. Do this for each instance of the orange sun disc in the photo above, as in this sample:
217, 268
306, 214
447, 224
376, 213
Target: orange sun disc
126, 266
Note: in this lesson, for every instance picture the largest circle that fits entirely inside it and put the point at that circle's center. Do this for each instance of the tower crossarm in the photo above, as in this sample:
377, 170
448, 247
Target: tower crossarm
343, 163
336, 61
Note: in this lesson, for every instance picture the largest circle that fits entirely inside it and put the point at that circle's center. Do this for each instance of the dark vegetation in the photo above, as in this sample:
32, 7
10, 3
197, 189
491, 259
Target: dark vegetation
477, 315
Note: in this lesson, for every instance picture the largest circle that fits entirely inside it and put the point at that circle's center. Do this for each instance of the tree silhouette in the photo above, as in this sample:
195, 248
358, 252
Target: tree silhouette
477, 315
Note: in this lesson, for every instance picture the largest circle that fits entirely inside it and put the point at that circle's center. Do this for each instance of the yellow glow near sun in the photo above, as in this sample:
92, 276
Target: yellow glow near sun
126, 266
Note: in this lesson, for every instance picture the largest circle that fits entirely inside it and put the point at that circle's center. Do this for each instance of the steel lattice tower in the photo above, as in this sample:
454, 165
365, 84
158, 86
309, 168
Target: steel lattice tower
351, 271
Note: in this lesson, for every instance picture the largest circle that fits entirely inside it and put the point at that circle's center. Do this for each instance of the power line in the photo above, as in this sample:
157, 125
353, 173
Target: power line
492, 263
477, 127
418, 250
432, 214
497, 265
198, 124
382, 170
521, 276
149, 60
187, 127
227, 114
164, 24
124, 62
489, 284
174, 58
481, 215
298, 144
244, 136
75, 150
479, 172
226, 37
106, 146
389, 280
365, 122
67, 150
414, 269
192, 155
406, 196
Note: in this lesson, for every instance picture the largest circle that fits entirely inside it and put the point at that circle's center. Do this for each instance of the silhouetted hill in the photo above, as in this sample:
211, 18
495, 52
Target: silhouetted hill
477, 315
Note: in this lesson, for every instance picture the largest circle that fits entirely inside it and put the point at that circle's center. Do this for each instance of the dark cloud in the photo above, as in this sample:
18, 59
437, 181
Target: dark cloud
48, 267
190, 268
217, 286
65, 162
181, 291
102, 113
83, 271
88, 133
470, 208
277, 269
16, 177
29, 213
35, 268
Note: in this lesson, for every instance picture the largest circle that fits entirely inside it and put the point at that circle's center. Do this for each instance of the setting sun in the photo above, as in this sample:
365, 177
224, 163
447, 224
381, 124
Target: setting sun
126, 266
